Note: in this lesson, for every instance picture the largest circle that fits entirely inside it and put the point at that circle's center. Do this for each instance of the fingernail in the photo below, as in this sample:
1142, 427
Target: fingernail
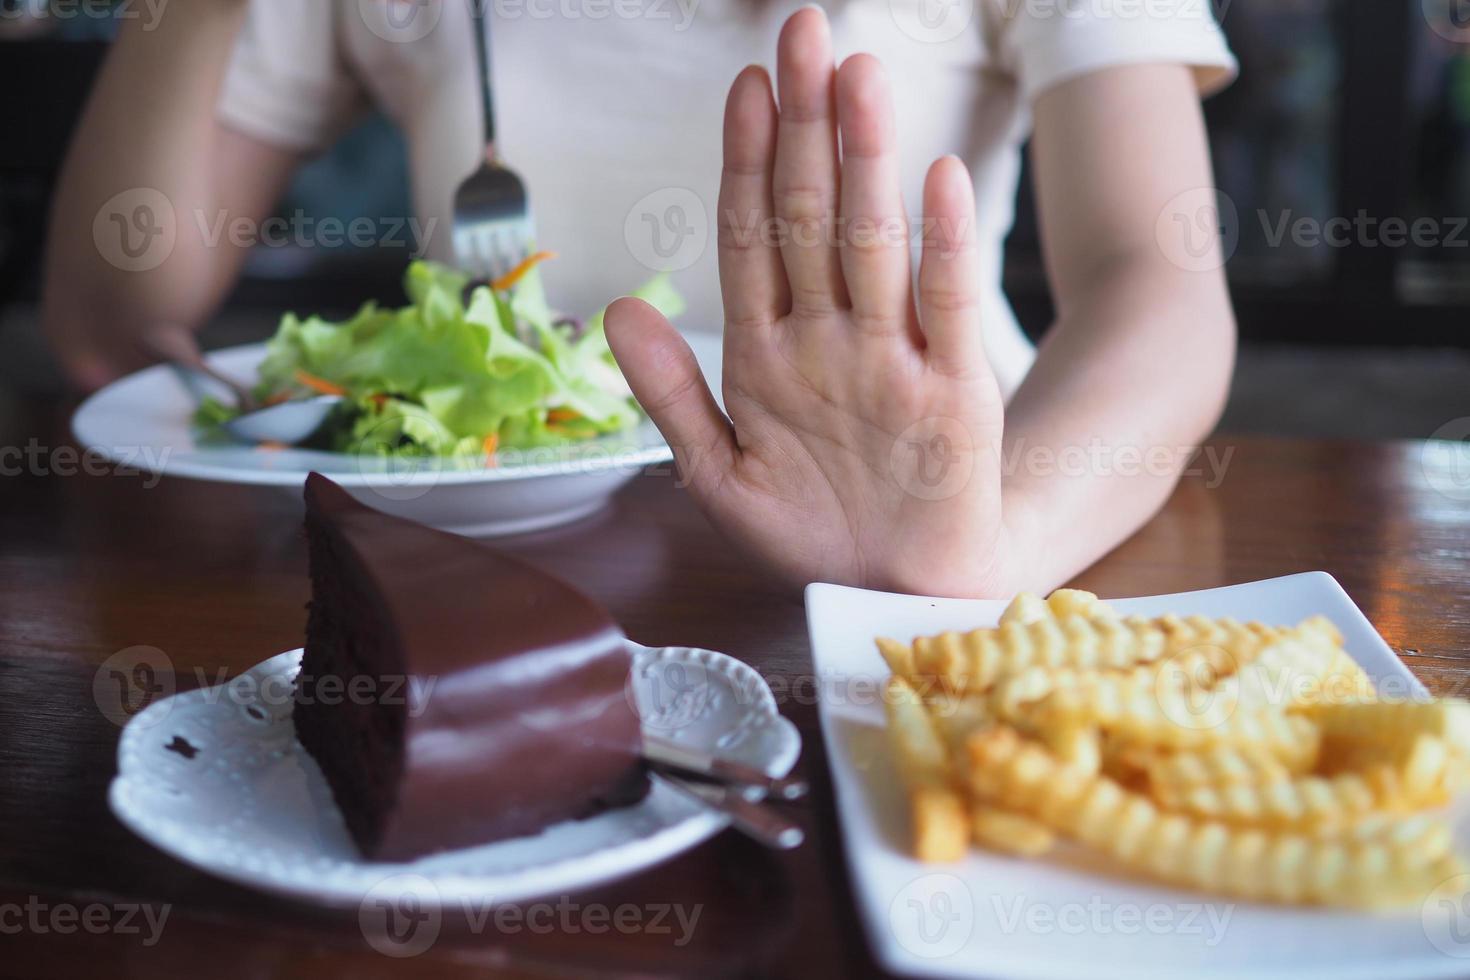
815, 6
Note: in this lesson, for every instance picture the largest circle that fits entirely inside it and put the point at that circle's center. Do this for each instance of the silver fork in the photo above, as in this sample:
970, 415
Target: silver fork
492, 218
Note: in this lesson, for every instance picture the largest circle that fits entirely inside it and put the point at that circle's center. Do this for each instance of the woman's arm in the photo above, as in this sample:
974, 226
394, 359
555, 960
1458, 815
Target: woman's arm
867, 442
150, 126
1136, 368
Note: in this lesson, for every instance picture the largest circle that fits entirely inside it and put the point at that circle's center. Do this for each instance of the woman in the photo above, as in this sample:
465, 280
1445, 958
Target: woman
878, 433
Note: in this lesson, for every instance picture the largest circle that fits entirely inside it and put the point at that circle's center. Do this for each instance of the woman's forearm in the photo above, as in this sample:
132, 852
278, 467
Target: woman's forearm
1127, 383
1136, 368
140, 168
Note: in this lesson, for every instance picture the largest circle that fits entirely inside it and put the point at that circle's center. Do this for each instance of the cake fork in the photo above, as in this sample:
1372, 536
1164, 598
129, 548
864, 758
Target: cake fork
755, 820
680, 760
493, 230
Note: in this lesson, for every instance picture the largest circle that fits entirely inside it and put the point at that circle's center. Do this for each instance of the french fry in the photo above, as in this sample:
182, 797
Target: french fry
1027, 608
1393, 725
976, 660
1249, 760
956, 717
1290, 671
1128, 763
1346, 682
940, 823
900, 658
1158, 715
1016, 695
1077, 746
1217, 767
1301, 802
1209, 855
1011, 833
1429, 833
1202, 651
1076, 602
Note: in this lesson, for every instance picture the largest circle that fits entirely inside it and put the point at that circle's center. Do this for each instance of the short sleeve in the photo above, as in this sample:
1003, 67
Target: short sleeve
1047, 42
286, 83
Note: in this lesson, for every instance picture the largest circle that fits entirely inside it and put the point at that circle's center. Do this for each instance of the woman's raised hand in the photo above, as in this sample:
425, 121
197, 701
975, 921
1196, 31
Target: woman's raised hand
862, 444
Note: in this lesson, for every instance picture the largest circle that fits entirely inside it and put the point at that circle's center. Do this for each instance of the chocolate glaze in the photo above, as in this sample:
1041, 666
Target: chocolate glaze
497, 702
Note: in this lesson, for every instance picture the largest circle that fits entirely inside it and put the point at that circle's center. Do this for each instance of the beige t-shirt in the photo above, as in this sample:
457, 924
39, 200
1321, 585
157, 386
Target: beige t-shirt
611, 109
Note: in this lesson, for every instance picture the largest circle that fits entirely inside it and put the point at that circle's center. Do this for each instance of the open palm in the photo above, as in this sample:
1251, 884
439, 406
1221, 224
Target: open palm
862, 444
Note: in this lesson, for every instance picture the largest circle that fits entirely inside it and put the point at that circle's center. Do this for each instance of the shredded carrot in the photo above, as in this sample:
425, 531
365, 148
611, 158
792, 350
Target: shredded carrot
270, 446
318, 385
378, 400
514, 275
492, 443
558, 415
278, 398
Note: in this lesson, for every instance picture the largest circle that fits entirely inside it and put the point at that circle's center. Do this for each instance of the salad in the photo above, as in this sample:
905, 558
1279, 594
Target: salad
462, 370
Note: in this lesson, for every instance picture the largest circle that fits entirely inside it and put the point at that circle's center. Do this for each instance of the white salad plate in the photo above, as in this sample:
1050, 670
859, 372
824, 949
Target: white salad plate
999, 917
216, 778
144, 421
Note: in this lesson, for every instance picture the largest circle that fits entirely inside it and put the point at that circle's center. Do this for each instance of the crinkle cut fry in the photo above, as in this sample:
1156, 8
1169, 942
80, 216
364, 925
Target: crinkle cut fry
1155, 714
1216, 766
1394, 724
1180, 849
1289, 671
1423, 777
1191, 645
1028, 607
939, 817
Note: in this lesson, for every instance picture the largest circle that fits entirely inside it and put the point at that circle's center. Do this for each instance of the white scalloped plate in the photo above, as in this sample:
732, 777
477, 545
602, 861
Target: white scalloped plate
251, 806
1011, 919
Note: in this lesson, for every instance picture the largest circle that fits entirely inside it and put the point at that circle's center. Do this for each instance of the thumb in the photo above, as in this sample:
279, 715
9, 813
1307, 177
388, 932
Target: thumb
667, 382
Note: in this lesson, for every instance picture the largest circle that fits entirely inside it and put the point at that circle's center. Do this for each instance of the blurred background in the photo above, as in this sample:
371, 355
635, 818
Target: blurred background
1355, 110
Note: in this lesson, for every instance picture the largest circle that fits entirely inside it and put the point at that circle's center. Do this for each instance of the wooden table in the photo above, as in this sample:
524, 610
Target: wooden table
214, 576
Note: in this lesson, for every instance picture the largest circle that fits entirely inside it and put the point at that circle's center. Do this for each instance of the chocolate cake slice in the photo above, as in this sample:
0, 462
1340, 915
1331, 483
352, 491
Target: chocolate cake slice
453, 695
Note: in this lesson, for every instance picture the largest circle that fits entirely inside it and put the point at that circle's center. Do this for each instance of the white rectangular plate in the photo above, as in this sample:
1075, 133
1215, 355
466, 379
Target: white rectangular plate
1065, 915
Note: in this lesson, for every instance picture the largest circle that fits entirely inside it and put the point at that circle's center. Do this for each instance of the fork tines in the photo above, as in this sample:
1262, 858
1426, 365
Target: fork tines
492, 222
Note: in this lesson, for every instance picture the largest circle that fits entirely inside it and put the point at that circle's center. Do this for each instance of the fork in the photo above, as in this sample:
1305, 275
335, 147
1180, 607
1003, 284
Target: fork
493, 229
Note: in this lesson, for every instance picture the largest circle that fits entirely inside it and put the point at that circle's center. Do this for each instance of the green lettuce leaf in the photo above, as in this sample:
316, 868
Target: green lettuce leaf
439, 377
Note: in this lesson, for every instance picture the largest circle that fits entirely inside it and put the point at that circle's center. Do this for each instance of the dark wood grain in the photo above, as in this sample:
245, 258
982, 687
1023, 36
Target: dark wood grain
214, 577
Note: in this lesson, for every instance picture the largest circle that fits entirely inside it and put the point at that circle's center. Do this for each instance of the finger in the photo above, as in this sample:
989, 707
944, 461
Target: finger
949, 281
87, 372
752, 278
804, 183
85, 364
666, 380
875, 244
